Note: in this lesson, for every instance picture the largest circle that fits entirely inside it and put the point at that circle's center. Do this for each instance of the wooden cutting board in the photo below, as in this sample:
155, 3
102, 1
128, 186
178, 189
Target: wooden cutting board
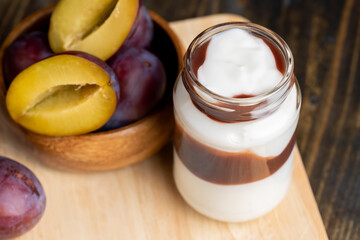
141, 201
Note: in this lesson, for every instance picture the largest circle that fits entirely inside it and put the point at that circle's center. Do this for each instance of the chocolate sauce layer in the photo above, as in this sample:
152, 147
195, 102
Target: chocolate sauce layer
226, 168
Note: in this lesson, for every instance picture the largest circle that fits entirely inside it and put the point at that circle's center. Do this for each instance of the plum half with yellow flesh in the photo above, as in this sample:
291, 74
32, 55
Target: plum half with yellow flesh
66, 94
98, 27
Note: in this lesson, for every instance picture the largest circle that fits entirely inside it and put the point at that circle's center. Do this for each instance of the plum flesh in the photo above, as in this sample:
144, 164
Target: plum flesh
113, 80
22, 199
66, 94
97, 27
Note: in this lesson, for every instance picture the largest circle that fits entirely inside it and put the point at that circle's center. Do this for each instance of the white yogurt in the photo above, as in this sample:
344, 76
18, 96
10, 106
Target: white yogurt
232, 203
238, 63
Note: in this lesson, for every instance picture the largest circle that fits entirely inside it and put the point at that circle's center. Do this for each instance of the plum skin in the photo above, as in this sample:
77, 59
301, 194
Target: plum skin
142, 31
142, 80
23, 52
22, 199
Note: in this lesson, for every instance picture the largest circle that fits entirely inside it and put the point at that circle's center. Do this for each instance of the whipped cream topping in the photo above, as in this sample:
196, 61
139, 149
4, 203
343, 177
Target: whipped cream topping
238, 63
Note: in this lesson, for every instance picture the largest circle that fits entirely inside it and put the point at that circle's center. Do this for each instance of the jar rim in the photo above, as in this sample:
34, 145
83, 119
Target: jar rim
253, 28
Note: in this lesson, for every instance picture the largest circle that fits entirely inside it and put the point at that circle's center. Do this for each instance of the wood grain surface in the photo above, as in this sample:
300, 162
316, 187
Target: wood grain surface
325, 39
141, 201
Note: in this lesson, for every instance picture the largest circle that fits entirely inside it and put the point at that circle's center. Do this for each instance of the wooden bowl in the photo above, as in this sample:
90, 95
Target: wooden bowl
121, 147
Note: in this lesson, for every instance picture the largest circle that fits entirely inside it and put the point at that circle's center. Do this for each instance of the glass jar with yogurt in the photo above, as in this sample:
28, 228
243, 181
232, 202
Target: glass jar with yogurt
236, 106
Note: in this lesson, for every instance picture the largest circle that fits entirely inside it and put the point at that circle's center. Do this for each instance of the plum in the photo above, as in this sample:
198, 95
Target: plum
67, 94
98, 27
22, 199
23, 52
142, 31
142, 85
113, 80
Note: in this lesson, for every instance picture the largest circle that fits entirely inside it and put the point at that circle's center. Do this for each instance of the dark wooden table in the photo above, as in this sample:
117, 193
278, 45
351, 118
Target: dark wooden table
324, 36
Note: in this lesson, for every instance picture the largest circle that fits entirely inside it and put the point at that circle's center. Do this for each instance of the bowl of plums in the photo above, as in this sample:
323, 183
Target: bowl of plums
90, 83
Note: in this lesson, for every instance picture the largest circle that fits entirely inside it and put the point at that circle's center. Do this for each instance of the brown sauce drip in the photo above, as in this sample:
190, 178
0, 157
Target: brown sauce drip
199, 57
220, 116
226, 168
280, 65
244, 96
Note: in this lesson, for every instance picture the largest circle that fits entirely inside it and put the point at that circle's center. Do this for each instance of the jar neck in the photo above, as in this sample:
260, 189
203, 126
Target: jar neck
243, 108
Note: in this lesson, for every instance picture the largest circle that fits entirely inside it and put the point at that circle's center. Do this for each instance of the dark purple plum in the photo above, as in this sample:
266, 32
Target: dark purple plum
22, 199
113, 80
23, 52
142, 31
142, 85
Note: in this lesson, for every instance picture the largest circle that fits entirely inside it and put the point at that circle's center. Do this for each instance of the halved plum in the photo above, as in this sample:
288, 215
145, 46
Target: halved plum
98, 27
66, 94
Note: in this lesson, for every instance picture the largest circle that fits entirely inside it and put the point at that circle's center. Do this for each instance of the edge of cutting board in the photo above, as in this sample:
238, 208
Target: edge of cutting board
141, 201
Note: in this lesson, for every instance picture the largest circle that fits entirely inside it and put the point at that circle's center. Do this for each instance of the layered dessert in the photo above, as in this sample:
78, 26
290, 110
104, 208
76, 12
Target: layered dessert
235, 165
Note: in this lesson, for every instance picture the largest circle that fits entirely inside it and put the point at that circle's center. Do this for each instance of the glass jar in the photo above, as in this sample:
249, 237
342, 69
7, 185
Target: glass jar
233, 156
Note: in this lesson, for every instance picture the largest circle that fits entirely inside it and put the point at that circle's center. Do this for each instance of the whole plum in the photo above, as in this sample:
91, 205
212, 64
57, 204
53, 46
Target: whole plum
142, 80
142, 31
22, 199
23, 52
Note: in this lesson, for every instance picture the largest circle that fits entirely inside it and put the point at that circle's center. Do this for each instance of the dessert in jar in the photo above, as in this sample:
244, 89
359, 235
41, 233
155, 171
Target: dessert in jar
236, 106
